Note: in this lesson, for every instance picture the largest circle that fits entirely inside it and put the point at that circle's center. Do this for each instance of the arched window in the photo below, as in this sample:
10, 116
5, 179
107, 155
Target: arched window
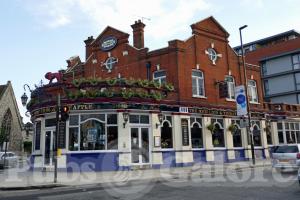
196, 135
5, 127
231, 86
198, 83
92, 135
256, 135
218, 133
237, 136
166, 135
252, 91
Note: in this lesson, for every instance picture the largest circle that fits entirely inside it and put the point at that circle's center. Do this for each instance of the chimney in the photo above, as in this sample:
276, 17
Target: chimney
138, 34
88, 48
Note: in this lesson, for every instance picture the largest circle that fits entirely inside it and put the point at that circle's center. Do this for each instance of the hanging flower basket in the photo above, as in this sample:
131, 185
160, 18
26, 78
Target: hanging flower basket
77, 82
111, 82
211, 127
232, 128
169, 87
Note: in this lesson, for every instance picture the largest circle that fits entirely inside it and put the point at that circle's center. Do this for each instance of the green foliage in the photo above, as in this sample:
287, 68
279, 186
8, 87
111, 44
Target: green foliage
232, 128
211, 127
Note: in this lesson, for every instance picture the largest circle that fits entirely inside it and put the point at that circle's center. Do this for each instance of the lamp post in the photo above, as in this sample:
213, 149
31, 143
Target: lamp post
249, 128
24, 99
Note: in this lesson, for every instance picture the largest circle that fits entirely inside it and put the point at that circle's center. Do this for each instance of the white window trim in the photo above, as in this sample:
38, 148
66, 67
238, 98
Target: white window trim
160, 77
197, 85
251, 89
233, 84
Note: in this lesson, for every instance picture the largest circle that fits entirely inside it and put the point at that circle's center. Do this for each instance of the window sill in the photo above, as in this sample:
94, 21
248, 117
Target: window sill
231, 100
92, 151
167, 149
199, 97
253, 102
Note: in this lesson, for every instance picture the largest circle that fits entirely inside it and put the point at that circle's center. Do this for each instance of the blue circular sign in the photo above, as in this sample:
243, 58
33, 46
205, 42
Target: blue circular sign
108, 43
241, 99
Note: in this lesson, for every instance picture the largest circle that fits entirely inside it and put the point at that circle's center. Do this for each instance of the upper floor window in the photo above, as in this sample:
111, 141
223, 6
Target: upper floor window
198, 83
252, 91
160, 76
264, 69
266, 87
296, 61
231, 86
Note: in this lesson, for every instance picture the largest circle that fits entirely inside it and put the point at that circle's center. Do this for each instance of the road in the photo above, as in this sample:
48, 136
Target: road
263, 183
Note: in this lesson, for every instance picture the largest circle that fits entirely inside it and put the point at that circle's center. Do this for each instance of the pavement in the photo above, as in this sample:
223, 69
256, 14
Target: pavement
22, 179
257, 183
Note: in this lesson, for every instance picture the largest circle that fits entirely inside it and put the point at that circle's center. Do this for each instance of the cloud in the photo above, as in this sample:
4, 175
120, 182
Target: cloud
164, 15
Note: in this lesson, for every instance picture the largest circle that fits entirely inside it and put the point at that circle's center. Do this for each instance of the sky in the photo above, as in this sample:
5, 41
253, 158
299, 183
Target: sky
38, 36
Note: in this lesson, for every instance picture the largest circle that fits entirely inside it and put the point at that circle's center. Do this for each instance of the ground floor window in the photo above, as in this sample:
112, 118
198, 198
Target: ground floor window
93, 132
288, 132
196, 132
218, 133
166, 135
256, 133
236, 133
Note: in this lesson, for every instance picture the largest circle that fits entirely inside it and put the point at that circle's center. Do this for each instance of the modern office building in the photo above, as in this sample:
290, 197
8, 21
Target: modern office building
131, 107
279, 58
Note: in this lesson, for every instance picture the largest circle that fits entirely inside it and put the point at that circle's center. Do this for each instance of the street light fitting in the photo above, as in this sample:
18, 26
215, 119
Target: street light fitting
242, 27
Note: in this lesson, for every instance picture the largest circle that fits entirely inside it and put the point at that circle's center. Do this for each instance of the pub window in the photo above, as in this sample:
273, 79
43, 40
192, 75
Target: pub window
291, 130
160, 76
166, 135
218, 139
252, 91
37, 141
256, 133
280, 133
139, 119
73, 139
50, 122
231, 87
236, 134
198, 83
196, 132
93, 134
74, 120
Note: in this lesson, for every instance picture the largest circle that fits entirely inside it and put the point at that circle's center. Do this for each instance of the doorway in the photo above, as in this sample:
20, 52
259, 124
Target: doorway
140, 145
49, 147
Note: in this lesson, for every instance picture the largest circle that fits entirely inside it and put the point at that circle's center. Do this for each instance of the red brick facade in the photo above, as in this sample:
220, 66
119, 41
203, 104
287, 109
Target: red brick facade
178, 59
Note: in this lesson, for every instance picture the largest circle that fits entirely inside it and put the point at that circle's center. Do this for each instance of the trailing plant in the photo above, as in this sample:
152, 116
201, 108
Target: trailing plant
143, 83
130, 81
127, 93
211, 127
77, 82
157, 96
155, 84
169, 87
232, 128
111, 82
94, 81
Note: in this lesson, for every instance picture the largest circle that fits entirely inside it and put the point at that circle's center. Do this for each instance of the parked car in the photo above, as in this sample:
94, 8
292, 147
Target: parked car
286, 157
10, 159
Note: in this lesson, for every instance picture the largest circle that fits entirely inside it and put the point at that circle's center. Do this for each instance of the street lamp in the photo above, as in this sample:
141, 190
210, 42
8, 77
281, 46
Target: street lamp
249, 128
24, 97
160, 119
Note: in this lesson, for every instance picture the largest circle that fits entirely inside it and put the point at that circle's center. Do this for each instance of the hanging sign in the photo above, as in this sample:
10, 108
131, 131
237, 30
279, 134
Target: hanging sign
185, 132
241, 100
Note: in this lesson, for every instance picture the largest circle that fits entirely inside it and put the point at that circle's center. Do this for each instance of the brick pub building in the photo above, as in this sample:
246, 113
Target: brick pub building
131, 107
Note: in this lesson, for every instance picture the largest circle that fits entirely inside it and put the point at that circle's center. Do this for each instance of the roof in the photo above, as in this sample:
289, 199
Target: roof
2, 90
270, 38
272, 51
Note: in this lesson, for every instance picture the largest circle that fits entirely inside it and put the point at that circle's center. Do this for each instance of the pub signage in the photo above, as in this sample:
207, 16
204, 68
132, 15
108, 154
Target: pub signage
108, 43
185, 132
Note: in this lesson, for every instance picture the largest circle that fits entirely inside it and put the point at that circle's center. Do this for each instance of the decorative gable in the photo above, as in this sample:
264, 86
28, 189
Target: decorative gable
210, 27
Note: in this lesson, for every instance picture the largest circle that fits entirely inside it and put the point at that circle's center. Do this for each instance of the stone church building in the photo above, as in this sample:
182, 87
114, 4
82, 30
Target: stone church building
10, 120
